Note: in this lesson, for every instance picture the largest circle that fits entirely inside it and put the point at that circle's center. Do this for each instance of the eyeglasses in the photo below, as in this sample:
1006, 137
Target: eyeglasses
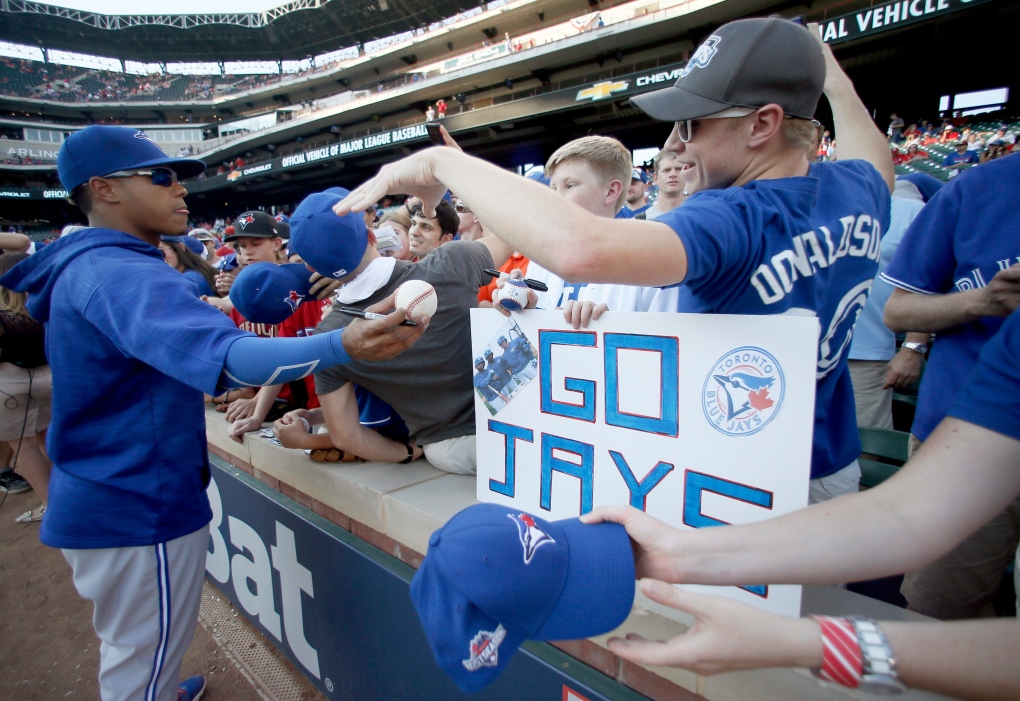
685, 128
461, 208
164, 177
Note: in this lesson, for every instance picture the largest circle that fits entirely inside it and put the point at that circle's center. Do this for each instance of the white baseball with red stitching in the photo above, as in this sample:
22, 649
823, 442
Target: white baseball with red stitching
417, 298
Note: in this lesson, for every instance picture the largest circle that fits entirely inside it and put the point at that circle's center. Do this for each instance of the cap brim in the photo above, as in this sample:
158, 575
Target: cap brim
675, 104
184, 167
450, 620
599, 591
251, 235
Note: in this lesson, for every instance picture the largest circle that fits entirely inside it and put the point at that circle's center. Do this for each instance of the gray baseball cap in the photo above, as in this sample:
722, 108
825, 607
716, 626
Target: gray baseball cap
746, 63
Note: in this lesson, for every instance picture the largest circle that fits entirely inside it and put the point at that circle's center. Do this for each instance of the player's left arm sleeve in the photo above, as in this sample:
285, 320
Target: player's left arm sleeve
925, 260
715, 235
255, 362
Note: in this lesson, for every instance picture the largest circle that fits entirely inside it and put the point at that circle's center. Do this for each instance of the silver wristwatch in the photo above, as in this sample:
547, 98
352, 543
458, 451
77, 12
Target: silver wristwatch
879, 663
919, 348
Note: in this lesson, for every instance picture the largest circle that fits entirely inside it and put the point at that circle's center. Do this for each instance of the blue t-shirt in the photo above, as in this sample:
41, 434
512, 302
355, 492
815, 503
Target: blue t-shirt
793, 245
200, 284
953, 158
518, 354
967, 233
987, 399
485, 380
131, 350
873, 340
500, 370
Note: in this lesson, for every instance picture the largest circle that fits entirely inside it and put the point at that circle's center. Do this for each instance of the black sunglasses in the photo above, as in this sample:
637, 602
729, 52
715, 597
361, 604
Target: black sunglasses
164, 177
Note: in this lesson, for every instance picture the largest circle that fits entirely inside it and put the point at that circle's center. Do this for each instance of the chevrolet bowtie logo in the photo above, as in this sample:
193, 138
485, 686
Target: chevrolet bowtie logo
600, 91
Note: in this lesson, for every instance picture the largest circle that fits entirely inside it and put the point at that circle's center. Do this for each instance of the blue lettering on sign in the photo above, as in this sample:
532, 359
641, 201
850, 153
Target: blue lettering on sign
639, 490
696, 482
511, 434
668, 421
585, 411
584, 472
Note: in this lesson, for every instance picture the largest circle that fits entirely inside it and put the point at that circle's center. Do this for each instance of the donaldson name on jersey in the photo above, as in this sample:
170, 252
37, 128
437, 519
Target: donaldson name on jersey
803, 245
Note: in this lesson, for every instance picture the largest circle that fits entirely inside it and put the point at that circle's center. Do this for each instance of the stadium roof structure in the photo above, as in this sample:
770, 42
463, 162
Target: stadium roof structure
293, 31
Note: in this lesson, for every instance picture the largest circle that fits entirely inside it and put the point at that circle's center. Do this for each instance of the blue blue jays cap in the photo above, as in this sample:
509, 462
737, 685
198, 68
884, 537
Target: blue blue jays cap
638, 174
228, 262
266, 293
538, 176
193, 245
332, 245
479, 361
100, 150
494, 577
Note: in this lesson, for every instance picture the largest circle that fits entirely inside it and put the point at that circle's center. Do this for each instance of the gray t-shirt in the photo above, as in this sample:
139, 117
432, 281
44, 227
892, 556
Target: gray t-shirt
429, 384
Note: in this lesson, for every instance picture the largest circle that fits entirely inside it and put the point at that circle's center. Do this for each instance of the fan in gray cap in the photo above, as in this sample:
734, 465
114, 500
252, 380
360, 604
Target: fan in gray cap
749, 63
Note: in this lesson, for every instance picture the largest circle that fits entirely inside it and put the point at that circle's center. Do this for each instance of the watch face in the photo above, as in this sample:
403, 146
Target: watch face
880, 685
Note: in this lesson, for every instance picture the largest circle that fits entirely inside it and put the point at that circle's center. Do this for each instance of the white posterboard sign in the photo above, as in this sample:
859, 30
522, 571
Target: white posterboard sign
700, 420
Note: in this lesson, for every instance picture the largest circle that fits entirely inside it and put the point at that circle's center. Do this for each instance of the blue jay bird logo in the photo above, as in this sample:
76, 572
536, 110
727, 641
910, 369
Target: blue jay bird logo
532, 537
743, 392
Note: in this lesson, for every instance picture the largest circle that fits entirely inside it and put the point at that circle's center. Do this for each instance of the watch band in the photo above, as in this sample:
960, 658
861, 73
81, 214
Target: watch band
879, 663
410, 455
841, 652
919, 348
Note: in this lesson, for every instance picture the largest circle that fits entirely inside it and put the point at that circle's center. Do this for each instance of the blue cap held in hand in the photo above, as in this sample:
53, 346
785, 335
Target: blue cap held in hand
101, 150
192, 244
495, 577
333, 246
268, 294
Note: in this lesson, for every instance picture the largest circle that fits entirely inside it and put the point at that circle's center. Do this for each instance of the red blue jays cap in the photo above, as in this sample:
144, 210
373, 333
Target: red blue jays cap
334, 246
494, 577
266, 293
253, 224
746, 63
101, 150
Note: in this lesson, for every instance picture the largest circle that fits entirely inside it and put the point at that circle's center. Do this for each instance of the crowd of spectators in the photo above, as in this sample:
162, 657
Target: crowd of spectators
946, 260
954, 145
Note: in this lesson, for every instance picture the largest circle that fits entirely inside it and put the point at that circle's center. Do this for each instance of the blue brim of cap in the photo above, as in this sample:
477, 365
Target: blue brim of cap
449, 618
599, 590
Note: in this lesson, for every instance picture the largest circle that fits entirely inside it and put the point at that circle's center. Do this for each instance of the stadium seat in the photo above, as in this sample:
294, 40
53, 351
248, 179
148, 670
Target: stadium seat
890, 449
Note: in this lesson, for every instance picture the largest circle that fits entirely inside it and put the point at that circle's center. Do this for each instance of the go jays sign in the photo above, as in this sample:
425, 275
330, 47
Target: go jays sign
700, 420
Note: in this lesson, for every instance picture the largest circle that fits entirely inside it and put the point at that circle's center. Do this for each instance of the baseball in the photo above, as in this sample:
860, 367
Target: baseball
417, 298
513, 295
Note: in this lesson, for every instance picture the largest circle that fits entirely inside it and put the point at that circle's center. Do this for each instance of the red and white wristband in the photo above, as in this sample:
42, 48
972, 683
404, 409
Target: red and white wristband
842, 660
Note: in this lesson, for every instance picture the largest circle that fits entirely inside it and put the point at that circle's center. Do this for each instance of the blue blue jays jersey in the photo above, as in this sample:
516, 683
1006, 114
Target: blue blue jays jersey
501, 371
132, 350
967, 233
518, 354
485, 381
805, 245
987, 398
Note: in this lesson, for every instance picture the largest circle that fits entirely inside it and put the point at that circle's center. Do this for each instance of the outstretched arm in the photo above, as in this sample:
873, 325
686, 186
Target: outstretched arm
522, 213
919, 514
858, 136
964, 659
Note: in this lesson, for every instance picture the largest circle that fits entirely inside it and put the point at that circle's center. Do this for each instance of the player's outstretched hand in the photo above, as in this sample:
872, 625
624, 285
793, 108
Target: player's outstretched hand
579, 314
656, 546
515, 274
382, 339
726, 635
412, 176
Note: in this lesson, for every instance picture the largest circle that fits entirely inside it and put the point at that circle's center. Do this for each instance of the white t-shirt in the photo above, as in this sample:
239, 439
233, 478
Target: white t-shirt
619, 298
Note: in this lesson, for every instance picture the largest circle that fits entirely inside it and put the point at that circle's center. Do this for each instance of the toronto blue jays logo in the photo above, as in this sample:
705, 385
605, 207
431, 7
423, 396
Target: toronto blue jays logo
246, 220
293, 300
145, 137
484, 649
703, 56
532, 537
744, 391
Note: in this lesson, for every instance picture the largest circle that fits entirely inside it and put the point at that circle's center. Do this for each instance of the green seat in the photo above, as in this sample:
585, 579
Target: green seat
887, 451
874, 473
